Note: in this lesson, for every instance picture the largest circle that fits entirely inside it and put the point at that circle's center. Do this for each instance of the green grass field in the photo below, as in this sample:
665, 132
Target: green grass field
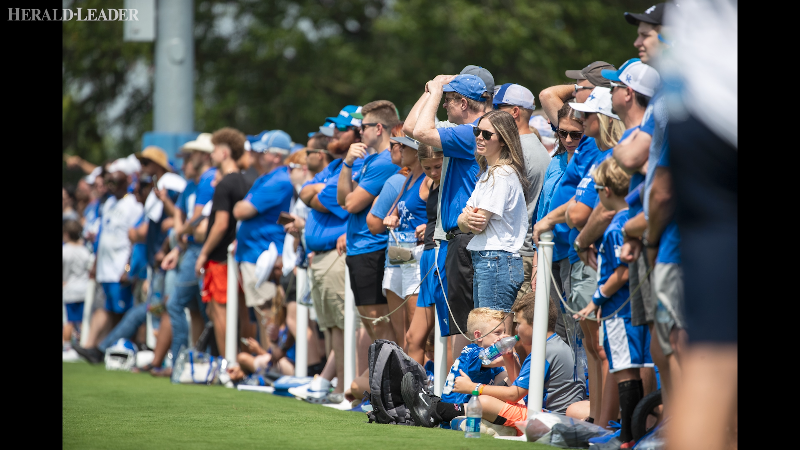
121, 410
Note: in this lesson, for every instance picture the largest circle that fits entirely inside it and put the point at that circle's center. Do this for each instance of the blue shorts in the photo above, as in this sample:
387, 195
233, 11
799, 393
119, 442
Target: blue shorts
441, 306
118, 298
626, 346
430, 288
74, 312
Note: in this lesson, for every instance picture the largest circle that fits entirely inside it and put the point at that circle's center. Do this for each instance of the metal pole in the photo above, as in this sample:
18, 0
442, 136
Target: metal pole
173, 95
349, 332
439, 357
301, 327
232, 309
540, 312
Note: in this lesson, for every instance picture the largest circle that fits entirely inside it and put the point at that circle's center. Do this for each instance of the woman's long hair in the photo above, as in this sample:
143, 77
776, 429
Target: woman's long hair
611, 130
510, 153
565, 111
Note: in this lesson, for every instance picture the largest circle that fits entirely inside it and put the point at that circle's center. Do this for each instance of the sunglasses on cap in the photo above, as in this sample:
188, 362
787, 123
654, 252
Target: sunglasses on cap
574, 135
578, 87
487, 135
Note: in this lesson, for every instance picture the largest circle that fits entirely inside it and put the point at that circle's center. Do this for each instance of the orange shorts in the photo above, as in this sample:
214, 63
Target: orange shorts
215, 282
513, 413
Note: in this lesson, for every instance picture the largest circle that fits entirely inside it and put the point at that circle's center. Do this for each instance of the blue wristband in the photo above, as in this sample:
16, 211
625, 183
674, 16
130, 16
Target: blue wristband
598, 298
346, 165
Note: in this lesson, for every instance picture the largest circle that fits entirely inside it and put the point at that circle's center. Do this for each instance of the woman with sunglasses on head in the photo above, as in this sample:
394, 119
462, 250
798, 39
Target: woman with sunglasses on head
497, 213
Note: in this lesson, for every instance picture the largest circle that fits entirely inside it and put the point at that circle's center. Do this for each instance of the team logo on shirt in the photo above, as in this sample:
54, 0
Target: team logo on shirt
617, 250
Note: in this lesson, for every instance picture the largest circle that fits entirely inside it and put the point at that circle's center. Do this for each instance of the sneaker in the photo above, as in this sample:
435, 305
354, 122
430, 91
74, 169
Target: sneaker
70, 355
335, 398
421, 405
316, 391
612, 444
93, 355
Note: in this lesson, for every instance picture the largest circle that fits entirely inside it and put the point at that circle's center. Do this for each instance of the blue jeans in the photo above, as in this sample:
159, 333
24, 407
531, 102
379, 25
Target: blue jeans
126, 328
186, 295
498, 276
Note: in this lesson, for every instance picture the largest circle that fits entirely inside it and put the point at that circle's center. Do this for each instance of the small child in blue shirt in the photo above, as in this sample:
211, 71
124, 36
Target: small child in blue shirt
627, 347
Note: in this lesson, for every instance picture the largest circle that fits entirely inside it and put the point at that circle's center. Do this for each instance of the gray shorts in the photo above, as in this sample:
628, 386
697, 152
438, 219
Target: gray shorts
667, 282
643, 304
584, 283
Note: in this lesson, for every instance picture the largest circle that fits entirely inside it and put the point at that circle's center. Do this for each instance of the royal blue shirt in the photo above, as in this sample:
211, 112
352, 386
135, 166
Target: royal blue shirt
323, 229
552, 178
371, 177
205, 192
411, 208
458, 144
609, 261
186, 203
383, 205
582, 158
139, 257
669, 251
270, 194
470, 362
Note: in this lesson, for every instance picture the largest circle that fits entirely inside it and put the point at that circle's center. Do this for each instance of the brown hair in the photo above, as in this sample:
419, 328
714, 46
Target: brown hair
73, 229
397, 130
298, 157
383, 111
472, 105
526, 305
231, 137
425, 151
611, 175
564, 112
510, 153
320, 141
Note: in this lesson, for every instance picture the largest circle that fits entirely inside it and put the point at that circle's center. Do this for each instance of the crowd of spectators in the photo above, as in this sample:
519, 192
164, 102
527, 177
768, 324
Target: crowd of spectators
442, 216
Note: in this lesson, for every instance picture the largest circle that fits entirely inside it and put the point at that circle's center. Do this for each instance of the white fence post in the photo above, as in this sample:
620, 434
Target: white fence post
540, 312
301, 327
232, 309
87, 311
149, 337
439, 357
349, 332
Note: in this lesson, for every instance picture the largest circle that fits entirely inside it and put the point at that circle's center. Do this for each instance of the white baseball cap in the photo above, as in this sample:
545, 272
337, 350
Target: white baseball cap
514, 95
636, 75
599, 101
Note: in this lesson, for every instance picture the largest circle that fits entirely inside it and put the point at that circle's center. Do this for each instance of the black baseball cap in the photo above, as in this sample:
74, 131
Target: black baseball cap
653, 15
593, 73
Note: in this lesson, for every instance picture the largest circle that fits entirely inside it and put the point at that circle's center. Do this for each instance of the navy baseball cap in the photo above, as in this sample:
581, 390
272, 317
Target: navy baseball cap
653, 15
469, 86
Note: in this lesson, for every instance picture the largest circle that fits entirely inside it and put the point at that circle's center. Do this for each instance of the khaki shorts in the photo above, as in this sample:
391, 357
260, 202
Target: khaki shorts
327, 288
667, 283
643, 303
255, 297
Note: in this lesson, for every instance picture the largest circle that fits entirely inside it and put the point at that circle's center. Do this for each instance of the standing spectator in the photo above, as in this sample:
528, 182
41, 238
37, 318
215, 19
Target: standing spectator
496, 213
355, 193
465, 102
212, 260
648, 26
75, 261
120, 213
519, 102
258, 212
67, 204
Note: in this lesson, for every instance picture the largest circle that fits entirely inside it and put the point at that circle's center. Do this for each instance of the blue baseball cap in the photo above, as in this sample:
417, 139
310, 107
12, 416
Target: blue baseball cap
350, 115
250, 139
614, 75
296, 147
469, 86
275, 141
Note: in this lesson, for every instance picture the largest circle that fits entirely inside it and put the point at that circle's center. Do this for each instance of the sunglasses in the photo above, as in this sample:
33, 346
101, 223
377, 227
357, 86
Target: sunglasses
293, 166
574, 135
616, 85
598, 188
364, 126
316, 150
487, 135
578, 88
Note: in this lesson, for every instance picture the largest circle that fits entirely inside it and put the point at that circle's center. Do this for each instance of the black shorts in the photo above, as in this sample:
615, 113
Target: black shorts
366, 277
316, 369
458, 267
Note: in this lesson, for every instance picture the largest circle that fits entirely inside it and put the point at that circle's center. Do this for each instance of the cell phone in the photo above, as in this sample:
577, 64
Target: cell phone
155, 180
244, 341
285, 218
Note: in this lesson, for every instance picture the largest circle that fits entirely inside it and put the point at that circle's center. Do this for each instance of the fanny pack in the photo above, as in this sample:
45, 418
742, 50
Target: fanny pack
402, 252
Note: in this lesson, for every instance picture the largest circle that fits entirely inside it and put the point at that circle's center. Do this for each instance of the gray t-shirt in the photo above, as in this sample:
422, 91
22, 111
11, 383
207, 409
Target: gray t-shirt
564, 382
658, 109
75, 260
536, 162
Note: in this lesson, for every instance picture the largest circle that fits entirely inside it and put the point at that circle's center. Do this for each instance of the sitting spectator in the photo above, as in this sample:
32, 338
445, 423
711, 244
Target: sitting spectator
75, 261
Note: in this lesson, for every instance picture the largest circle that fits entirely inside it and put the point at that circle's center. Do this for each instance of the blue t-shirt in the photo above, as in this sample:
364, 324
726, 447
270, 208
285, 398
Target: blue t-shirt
371, 177
608, 254
470, 362
205, 192
655, 123
634, 200
583, 157
381, 207
552, 178
271, 193
323, 229
411, 208
139, 257
458, 144
186, 202
669, 251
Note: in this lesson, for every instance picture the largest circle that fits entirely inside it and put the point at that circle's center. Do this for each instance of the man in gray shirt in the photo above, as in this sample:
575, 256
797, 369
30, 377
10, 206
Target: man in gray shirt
518, 101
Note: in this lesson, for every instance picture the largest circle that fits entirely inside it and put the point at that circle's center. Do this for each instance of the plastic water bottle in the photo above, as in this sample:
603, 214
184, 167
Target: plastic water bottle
662, 314
501, 347
472, 427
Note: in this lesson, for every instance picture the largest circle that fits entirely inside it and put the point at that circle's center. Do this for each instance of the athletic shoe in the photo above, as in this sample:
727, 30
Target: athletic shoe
335, 398
70, 355
421, 404
612, 444
361, 405
607, 437
93, 355
315, 392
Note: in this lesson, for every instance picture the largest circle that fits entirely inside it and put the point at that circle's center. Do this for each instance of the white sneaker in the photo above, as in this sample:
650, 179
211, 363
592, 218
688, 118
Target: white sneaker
70, 355
315, 391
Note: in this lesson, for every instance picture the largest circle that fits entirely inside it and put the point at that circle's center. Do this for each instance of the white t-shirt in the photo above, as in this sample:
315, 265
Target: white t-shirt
114, 247
75, 260
501, 195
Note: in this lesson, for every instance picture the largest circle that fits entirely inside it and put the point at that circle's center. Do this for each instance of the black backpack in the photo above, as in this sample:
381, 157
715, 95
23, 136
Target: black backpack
387, 365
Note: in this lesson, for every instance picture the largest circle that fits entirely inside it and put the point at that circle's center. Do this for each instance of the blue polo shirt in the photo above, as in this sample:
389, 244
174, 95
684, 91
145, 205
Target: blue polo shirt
583, 157
371, 177
271, 193
458, 144
669, 251
608, 255
323, 229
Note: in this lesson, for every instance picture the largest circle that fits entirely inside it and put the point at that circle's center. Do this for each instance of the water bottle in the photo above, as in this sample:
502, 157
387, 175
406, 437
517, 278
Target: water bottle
472, 428
490, 354
662, 314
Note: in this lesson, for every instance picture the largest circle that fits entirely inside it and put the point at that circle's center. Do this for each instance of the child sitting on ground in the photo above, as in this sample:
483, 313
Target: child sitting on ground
503, 405
627, 346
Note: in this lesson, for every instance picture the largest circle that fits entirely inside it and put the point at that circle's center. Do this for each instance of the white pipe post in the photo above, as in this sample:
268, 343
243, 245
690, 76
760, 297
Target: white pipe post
540, 313
149, 336
301, 327
439, 357
91, 287
349, 332
232, 309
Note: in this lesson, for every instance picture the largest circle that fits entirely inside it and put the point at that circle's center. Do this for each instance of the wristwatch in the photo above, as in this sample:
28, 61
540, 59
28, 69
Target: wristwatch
647, 243
624, 234
577, 246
